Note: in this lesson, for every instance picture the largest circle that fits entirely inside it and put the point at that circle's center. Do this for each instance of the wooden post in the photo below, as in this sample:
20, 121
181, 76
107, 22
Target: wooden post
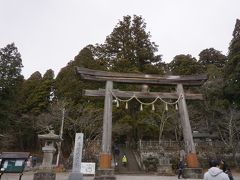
105, 156
190, 149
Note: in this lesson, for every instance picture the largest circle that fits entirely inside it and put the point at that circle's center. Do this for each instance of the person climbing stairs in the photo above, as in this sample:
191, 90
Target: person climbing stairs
127, 165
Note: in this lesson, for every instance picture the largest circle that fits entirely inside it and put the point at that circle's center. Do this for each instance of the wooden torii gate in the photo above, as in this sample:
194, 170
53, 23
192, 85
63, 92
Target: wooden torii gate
144, 79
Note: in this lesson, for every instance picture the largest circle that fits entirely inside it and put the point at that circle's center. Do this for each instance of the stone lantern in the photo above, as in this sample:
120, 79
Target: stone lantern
49, 149
45, 172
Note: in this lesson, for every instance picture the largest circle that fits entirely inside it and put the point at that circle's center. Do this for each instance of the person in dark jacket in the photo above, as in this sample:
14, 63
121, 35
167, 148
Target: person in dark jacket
180, 169
226, 169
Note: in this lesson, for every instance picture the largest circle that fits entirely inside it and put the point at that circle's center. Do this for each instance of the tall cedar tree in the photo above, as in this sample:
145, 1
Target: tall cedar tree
36, 92
10, 80
25, 127
232, 70
28, 90
129, 49
10, 67
45, 90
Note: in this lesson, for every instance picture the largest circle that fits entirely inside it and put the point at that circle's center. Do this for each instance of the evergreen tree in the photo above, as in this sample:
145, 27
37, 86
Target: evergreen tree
68, 84
10, 67
129, 49
85, 58
36, 92
45, 89
235, 42
10, 81
212, 56
232, 70
34, 101
27, 89
185, 65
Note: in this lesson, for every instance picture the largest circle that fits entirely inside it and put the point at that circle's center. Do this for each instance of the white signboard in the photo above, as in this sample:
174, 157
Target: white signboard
88, 168
19, 163
5, 165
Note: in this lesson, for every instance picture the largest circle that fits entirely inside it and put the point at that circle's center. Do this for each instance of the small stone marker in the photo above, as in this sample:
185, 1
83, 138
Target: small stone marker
77, 158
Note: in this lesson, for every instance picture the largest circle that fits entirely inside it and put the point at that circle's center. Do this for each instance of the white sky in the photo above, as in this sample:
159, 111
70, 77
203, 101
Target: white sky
50, 33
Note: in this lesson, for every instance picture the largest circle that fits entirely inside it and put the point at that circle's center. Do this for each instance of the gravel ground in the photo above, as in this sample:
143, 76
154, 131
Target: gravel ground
64, 176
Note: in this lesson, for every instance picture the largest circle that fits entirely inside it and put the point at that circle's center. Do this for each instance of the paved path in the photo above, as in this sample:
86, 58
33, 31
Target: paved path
64, 176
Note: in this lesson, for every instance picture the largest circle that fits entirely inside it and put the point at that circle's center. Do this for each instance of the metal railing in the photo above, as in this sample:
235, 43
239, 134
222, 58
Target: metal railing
169, 144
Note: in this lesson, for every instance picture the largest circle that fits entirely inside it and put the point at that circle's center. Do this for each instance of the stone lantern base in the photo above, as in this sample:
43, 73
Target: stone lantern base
105, 174
75, 176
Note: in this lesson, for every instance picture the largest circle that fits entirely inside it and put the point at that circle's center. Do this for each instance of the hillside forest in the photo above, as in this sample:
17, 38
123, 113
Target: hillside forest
33, 106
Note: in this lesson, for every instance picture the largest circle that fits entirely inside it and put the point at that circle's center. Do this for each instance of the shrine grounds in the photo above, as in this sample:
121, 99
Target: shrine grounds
64, 176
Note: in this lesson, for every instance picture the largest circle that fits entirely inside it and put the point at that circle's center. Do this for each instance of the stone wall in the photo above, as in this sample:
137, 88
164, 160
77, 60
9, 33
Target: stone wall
205, 151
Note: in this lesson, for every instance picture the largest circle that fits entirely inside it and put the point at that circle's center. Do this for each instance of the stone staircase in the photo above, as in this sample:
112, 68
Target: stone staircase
132, 166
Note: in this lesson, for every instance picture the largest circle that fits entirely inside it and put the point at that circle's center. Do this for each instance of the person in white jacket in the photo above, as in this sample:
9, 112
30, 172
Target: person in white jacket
215, 173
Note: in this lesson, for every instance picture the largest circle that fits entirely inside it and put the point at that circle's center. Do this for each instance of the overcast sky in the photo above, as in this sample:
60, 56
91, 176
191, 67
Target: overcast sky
50, 33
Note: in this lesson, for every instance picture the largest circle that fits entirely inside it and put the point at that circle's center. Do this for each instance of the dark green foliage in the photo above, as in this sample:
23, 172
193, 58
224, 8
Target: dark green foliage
36, 92
34, 100
222, 97
212, 56
232, 88
68, 83
25, 132
213, 88
235, 42
10, 82
27, 91
85, 58
185, 65
10, 67
232, 70
214, 72
129, 49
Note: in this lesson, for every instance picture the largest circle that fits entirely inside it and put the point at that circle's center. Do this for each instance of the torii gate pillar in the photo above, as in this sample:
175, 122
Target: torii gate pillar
190, 149
105, 156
